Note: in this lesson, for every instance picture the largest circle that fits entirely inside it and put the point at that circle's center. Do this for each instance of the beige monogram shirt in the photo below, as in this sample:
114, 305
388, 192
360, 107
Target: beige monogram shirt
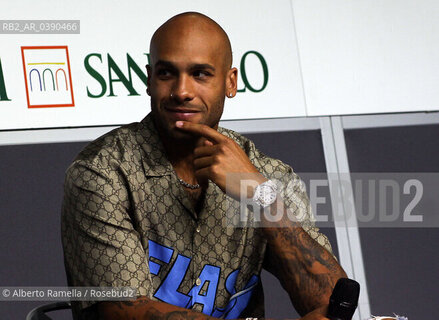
127, 222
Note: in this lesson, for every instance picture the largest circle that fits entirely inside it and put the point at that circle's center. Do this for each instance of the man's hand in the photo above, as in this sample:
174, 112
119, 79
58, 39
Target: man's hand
219, 158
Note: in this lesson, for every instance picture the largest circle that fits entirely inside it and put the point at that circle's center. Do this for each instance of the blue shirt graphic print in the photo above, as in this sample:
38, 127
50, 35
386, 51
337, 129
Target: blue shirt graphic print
168, 290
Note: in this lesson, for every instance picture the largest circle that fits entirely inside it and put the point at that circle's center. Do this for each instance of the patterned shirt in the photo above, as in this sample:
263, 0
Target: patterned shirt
128, 222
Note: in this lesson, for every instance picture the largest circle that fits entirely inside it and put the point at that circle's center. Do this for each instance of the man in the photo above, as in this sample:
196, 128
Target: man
145, 204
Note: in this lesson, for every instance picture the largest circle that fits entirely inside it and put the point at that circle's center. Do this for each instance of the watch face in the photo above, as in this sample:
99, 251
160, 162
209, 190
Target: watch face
265, 193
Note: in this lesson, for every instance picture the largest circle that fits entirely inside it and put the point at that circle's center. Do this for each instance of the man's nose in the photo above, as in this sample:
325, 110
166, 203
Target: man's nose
183, 89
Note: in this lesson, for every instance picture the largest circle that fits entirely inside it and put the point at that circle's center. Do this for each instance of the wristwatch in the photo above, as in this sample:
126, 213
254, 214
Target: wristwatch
265, 193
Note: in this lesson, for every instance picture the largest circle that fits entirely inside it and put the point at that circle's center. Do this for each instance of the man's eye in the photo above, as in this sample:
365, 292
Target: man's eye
163, 73
201, 74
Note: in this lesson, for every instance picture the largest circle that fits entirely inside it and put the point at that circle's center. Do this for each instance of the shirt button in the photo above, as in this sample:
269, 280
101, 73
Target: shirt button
198, 229
198, 282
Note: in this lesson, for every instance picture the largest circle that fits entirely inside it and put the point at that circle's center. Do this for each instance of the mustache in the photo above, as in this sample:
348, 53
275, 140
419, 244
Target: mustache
173, 105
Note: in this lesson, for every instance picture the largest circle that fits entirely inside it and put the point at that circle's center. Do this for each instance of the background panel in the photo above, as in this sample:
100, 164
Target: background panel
113, 45
31, 185
401, 263
363, 57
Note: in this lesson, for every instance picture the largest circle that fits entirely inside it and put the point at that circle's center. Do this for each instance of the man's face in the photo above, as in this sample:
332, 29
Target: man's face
187, 79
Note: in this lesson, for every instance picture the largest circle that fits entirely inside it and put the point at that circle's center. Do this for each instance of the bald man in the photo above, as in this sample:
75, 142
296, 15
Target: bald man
145, 205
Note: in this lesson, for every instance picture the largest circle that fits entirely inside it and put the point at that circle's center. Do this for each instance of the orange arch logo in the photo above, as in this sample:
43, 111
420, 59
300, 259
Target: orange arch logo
47, 76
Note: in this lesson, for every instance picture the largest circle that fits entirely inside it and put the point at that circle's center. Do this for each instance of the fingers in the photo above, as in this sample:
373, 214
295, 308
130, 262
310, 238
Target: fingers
205, 150
204, 162
203, 142
203, 174
201, 130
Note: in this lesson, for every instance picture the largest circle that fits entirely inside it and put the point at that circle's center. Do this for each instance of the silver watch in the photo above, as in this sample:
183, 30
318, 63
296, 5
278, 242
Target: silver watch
265, 193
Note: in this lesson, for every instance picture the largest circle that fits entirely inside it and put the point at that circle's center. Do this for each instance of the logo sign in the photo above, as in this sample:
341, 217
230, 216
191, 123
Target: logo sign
3, 93
48, 77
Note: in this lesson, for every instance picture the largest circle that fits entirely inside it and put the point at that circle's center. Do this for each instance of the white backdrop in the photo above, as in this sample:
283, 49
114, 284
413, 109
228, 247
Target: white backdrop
323, 57
112, 29
363, 57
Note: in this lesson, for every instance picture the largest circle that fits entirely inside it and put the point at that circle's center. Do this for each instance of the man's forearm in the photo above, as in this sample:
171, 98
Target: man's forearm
308, 272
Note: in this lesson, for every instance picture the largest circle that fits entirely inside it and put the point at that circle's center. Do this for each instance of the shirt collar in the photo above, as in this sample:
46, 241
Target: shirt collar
155, 163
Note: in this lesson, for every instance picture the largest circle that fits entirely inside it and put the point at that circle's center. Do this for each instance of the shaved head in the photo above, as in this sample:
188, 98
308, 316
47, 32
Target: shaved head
197, 26
189, 73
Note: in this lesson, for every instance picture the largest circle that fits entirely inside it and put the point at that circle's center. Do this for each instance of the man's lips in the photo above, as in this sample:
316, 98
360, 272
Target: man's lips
182, 110
180, 113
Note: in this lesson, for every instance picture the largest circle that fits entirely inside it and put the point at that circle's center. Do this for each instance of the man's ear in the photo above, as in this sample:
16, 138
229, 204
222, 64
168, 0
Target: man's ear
232, 82
148, 80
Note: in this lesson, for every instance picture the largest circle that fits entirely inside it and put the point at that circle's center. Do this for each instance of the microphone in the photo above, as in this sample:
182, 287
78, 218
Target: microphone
344, 299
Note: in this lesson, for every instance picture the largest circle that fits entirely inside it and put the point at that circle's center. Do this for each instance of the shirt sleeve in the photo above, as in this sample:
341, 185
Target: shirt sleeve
101, 246
297, 203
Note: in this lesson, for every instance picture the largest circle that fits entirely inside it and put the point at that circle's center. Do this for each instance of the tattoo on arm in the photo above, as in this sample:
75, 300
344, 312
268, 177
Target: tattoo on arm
308, 272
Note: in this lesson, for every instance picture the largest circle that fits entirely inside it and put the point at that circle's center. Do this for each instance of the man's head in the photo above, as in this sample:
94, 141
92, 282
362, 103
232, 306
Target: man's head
190, 72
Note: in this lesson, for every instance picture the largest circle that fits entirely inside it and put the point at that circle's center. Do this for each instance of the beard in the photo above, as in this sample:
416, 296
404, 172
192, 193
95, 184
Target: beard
166, 126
